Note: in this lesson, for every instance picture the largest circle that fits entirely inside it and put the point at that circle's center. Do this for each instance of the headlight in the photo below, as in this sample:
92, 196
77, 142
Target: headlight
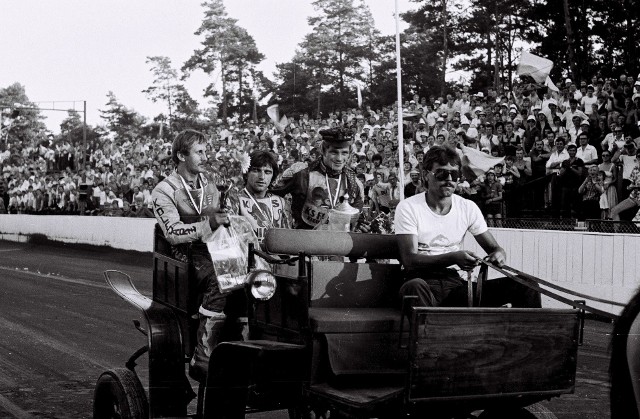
263, 284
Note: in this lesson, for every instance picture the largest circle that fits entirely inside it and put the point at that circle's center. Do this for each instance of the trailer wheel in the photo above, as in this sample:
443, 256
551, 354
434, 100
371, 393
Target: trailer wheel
534, 411
119, 395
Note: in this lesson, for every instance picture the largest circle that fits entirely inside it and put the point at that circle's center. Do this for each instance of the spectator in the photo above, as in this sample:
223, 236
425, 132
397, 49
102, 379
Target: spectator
570, 177
492, 199
591, 190
610, 173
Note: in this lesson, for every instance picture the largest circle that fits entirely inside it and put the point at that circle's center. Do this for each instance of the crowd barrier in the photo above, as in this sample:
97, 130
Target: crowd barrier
599, 264
115, 232
603, 265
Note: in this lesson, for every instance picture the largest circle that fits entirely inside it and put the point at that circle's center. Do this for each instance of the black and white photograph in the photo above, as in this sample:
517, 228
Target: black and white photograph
320, 209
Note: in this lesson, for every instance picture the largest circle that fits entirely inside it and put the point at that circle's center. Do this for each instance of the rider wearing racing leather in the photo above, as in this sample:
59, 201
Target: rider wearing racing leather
187, 208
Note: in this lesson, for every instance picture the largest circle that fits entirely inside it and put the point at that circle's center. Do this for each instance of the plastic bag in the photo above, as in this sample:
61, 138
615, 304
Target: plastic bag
229, 250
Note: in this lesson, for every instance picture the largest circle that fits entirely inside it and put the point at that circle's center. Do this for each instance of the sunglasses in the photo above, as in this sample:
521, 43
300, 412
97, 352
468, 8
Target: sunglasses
443, 174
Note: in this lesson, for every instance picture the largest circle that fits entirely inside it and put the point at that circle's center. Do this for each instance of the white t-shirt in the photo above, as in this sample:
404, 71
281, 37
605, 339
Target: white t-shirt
438, 234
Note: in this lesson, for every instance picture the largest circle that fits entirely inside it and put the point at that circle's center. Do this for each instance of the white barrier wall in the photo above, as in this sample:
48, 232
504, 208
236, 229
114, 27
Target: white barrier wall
116, 232
598, 264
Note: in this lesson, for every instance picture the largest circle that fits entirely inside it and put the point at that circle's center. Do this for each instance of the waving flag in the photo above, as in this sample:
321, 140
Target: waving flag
536, 67
476, 163
274, 114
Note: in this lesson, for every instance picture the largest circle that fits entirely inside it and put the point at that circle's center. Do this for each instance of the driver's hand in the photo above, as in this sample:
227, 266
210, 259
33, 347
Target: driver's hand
499, 257
217, 219
465, 260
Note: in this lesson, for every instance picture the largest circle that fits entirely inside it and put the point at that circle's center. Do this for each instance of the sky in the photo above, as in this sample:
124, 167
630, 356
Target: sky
77, 50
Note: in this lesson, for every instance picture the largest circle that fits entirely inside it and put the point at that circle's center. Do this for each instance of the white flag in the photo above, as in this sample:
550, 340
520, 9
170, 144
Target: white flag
536, 67
477, 162
551, 85
265, 99
274, 114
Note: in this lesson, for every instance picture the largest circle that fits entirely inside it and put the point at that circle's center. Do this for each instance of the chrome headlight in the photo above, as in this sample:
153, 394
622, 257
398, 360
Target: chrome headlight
263, 284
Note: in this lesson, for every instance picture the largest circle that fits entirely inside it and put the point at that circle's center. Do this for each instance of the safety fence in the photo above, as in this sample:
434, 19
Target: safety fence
569, 224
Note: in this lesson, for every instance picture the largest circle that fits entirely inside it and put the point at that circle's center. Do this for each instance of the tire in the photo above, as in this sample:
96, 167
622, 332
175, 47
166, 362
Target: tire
119, 395
534, 411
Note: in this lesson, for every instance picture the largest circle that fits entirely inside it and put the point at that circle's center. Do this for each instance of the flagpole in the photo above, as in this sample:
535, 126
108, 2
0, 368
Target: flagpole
400, 124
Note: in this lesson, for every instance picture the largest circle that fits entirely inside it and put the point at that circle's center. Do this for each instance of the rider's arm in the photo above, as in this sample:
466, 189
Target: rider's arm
166, 211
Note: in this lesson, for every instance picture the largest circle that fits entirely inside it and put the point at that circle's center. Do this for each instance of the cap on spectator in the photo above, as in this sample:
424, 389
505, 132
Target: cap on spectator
376, 126
600, 81
553, 102
505, 104
436, 102
414, 172
618, 129
568, 81
585, 122
512, 109
367, 126
590, 87
444, 115
412, 101
421, 122
480, 94
490, 171
440, 119
531, 118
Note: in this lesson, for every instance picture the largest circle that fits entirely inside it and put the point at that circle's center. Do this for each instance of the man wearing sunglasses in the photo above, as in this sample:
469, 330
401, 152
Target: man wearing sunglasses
430, 227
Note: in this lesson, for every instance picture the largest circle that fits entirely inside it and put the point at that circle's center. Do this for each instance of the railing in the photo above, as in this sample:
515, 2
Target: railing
569, 224
608, 226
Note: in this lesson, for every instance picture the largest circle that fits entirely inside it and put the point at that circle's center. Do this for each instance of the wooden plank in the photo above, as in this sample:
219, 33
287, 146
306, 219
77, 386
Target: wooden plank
617, 261
492, 351
589, 255
528, 253
630, 262
574, 254
560, 248
603, 257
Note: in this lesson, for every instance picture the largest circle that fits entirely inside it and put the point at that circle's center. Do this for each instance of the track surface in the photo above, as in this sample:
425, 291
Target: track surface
61, 326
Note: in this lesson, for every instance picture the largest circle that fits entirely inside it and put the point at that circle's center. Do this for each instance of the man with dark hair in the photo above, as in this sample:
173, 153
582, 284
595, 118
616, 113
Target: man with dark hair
187, 207
430, 227
570, 113
377, 166
263, 209
320, 186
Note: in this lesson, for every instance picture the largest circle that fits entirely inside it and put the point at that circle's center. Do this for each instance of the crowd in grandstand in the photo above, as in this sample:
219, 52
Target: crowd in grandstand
569, 153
